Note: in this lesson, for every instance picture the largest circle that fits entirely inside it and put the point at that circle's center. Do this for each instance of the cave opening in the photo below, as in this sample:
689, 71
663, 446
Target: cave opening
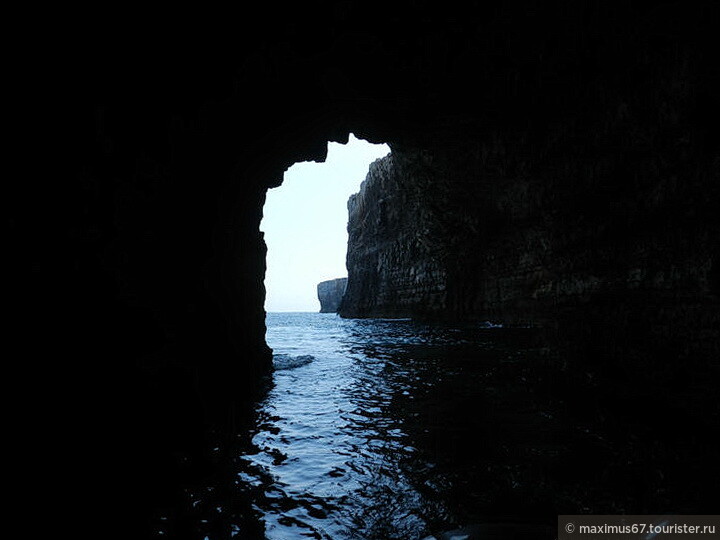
410, 398
379, 418
579, 144
305, 224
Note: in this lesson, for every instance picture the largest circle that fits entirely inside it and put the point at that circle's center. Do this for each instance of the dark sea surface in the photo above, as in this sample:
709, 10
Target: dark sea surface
392, 429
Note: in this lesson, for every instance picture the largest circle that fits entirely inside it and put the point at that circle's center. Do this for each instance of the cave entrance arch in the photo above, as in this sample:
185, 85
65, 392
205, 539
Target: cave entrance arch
305, 224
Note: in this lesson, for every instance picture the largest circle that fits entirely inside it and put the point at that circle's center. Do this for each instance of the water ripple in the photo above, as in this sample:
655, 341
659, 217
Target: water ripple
382, 429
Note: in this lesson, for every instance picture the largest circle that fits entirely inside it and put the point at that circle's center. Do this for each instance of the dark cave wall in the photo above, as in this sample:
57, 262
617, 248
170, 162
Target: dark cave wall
138, 283
609, 238
594, 217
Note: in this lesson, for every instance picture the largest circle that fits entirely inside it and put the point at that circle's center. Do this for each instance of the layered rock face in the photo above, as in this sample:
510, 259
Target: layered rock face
395, 259
608, 240
330, 294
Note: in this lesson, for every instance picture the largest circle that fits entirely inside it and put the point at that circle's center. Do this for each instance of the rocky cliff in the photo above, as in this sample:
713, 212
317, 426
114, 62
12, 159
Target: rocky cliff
590, 231
395, 257
330, 294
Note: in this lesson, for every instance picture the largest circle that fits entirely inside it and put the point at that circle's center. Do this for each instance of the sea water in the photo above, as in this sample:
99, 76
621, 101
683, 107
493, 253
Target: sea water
382, 428
393, 429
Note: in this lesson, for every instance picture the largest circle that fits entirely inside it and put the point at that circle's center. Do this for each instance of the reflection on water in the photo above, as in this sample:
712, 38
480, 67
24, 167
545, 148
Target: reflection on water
379, 429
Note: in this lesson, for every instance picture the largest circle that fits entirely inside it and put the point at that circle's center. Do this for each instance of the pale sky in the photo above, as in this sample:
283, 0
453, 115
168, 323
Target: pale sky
305, 224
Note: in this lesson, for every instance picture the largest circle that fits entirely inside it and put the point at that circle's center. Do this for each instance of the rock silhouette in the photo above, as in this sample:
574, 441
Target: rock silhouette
330, 294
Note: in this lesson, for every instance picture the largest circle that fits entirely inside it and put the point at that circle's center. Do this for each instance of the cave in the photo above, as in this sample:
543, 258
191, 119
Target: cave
563, 157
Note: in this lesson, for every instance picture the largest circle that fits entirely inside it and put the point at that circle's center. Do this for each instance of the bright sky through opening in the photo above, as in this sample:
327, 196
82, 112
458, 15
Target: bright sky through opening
305, 224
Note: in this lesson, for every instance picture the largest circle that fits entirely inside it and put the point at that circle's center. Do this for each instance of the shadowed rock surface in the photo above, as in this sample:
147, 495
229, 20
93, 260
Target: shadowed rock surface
579, 139
621, 252
330, 294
